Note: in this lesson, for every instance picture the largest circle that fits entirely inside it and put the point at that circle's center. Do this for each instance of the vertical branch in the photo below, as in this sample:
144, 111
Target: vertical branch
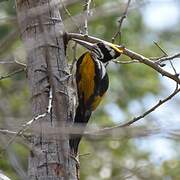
120, 21
74, 48
87, 13
166, 55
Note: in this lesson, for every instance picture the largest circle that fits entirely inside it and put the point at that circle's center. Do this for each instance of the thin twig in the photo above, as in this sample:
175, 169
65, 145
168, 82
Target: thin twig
125, 62
12, 74
92, 133
70, 16
25, 127
6, 62
120, 21
87, 13
20, 63
157, 58
8, 132
114, 133
29, 123
172, 65
12, 60
164, 53
177, 90
86, 154
177, 55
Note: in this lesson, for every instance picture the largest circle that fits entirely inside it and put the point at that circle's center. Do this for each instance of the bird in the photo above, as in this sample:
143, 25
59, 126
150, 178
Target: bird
92, 82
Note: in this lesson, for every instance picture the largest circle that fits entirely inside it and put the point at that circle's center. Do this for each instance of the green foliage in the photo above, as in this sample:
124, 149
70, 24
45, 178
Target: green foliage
22, 153
8, 7
171, 169
4, 30
6, 166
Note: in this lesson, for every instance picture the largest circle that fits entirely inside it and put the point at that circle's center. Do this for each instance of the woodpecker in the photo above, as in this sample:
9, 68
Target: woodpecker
92, 82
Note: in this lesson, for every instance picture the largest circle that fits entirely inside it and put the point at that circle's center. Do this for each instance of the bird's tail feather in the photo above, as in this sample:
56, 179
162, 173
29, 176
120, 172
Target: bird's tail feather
81, 117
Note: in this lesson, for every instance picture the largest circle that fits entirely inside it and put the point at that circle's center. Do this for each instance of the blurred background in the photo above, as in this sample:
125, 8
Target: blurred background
134, 88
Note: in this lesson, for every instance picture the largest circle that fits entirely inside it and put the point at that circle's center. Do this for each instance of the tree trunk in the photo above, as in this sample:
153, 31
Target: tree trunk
41, 31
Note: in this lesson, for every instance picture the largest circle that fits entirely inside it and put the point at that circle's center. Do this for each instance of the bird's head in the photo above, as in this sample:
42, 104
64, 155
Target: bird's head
104, 51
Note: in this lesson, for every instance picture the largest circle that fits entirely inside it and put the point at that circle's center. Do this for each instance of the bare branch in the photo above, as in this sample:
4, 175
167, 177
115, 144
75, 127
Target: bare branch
7, 132
12, 74
176, 91
125, 62
6, 62
25, 127
177, 55
11, 60
87, 13
91, 133
164, 53
131, 54
112, 133
99, 12
172, 65
120, 21
20, 63
29, 123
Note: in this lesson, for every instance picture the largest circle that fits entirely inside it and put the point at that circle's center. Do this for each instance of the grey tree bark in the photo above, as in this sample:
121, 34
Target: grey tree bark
42, 33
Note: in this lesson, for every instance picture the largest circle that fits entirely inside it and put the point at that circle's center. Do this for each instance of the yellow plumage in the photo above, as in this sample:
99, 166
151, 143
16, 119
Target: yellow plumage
87, 71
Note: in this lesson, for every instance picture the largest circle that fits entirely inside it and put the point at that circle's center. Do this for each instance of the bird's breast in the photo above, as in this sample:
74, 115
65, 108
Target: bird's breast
87, 71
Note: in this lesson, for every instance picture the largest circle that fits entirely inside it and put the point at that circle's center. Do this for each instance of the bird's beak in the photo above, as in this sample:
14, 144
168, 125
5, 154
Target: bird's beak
117, 48
121, 48
85, 44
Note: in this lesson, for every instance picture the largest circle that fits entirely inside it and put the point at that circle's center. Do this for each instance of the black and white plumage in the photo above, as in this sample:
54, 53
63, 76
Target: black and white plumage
92, 83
